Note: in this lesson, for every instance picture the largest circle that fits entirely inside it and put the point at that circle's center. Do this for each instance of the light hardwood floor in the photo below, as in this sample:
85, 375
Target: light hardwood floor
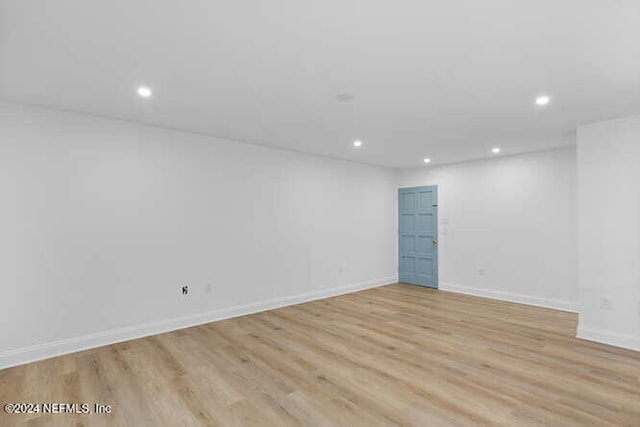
395, 355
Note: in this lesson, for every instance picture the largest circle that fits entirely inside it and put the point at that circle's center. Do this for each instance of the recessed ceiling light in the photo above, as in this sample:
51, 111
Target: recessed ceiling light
357, 143
145, 92
427, 160
543, 100
495, 150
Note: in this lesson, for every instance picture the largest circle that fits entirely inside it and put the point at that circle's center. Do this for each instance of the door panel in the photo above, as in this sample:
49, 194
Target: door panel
418, 235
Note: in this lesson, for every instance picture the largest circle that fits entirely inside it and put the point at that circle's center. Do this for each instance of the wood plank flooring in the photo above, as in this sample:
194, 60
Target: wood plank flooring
395, 355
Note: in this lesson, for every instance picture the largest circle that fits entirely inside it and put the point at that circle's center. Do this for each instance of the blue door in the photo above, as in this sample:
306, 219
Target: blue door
418, 236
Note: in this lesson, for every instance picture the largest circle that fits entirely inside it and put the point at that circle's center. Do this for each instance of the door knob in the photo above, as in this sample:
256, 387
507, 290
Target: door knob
435, 242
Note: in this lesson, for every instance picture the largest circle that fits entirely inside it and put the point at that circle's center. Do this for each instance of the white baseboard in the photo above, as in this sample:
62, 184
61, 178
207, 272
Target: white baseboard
610, 338
512, 297
58, 348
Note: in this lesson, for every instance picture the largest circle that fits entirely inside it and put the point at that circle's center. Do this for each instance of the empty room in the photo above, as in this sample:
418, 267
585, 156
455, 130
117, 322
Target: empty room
319, 213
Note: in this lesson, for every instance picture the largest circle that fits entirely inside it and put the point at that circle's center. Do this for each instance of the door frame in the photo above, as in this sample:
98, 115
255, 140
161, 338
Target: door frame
396, 226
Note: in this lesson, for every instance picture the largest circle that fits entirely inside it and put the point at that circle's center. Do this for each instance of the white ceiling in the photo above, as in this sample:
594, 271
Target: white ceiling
441, 79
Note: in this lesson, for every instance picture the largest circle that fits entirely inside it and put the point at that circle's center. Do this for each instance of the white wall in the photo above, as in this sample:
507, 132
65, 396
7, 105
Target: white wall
101, 221
513, 217
609, 236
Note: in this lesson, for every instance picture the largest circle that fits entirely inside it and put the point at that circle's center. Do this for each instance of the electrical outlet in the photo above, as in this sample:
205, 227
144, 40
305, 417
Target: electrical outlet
208, 288
184, 290
481, 271
341, 269
605, 303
